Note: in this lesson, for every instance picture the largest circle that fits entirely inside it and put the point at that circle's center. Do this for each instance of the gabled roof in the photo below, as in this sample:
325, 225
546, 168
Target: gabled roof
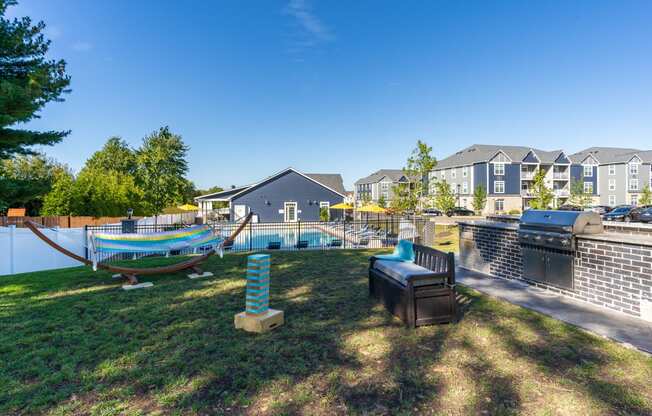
608, 155
479, 153
332, 182
395, 175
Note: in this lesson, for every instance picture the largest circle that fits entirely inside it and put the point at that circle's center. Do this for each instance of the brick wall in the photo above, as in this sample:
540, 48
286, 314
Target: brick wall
614, 275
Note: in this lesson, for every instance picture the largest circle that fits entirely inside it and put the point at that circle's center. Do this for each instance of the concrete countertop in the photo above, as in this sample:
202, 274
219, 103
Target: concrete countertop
491, 224
634, 239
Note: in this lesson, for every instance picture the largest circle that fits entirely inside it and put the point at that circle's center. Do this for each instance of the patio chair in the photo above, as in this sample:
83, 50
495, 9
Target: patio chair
302, 244
274, 245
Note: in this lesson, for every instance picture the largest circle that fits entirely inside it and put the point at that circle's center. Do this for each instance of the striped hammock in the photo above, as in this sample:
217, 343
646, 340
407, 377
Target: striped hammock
162, 242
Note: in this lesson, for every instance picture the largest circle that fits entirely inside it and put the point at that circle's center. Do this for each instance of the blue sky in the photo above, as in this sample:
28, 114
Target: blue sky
347, 87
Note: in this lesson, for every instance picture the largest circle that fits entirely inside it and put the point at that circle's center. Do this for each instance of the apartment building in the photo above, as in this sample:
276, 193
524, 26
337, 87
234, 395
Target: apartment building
621, 173
379, 183
507, 174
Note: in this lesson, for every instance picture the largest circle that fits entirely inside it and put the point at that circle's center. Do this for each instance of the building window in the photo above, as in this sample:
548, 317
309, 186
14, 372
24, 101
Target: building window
327, 205
465, 187
588, 171
612, 200
465, 171
612, 184
612, 170
588, 187
634, 200
464, 203
633, 168
633, 184
443, 174
499, 187
499, 205
384, 190
453, 174
499, 169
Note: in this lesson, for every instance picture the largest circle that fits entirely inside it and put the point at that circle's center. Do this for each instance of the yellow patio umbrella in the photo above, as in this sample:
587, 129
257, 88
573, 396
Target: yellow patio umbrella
342, 205
373, 208
188, 207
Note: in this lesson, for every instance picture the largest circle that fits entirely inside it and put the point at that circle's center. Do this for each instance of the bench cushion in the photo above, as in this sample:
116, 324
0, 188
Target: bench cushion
401, 271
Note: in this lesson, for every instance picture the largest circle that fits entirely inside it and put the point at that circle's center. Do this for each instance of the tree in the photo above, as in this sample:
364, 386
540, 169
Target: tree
444, 196
479, 198
60, 200
578, 196
324, 215
646, 196
25, 180
28, 81
114, 155
381, 201
403, 199
419, 165
162, 168
542, 194
105, 193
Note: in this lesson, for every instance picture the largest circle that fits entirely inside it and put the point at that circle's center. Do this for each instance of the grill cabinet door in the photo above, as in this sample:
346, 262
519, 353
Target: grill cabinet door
534, 264
559, 270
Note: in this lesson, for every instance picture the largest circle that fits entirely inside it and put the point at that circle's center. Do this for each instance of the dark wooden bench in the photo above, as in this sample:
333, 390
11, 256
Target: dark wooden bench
422, 299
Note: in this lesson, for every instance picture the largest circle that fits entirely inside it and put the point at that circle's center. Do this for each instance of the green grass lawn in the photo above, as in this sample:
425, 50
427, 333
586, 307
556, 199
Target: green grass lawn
72, 342
447, 238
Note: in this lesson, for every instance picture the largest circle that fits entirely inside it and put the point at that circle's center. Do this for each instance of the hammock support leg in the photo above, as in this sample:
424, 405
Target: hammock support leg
198, 272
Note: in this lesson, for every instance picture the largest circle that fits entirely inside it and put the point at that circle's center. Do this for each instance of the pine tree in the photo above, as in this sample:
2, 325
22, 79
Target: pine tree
28, 81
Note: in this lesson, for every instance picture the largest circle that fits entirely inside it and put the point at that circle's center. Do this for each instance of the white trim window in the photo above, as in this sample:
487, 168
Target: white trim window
499, 187
499, 169
634, 200
588, 171
588, 187
612, 185
443, 174
499, 205
465, 187
633, 184
465, 171
633, 168
290, 211
453, 173
612, 200
612, 170
327, 205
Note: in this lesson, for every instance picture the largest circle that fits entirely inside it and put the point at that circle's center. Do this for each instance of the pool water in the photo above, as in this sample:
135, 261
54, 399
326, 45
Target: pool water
288, 239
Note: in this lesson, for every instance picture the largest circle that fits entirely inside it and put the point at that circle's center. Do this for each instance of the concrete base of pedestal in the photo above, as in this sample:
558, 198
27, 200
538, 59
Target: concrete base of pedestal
259, 323
137, 286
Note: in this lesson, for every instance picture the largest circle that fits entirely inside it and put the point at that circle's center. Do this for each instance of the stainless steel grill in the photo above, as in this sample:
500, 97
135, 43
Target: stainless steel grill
548, 243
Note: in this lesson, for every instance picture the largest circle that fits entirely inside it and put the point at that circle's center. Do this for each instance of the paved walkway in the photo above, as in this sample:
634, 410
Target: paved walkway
633, 331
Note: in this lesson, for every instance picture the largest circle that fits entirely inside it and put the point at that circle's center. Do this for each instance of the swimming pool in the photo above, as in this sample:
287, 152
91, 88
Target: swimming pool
259, 239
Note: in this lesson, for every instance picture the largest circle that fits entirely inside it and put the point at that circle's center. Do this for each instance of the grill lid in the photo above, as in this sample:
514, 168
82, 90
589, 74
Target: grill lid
575, 222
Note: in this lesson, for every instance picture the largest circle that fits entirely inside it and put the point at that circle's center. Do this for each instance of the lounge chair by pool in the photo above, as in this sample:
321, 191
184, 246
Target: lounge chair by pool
302, 244
274, 245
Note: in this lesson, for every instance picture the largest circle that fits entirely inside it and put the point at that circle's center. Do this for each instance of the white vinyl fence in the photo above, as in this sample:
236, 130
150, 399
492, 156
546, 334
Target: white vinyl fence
21, 251
184, 218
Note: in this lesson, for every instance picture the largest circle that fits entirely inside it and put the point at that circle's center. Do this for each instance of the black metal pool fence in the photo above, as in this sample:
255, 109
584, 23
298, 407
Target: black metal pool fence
300, 235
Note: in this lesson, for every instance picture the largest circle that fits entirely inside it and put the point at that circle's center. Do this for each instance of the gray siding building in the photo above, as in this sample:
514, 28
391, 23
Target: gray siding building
620, 174
287, 196
379, 183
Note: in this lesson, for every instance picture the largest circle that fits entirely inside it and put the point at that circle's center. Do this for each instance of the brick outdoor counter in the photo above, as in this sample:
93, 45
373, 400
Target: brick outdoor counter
612, 270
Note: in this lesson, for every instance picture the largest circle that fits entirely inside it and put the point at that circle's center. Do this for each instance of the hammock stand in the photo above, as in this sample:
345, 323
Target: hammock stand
131, 273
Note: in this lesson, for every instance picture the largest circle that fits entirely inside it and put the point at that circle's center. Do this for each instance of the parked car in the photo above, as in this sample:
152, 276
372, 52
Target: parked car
569, 207
646, 215
621, 213
637, 212
600, 209
460, 212
432, 212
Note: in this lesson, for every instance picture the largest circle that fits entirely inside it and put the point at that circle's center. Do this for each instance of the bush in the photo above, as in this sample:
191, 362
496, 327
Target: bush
514, 212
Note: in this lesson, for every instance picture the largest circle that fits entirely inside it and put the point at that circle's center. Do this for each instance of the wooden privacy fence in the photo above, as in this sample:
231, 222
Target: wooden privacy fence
63, 221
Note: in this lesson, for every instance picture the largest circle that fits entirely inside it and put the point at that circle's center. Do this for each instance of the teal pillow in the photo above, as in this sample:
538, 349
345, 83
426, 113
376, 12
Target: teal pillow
404, 251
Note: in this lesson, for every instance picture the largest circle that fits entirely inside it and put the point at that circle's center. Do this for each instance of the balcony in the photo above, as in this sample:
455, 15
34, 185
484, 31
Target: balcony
561, 193
561, 176
527, 175
527, 193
